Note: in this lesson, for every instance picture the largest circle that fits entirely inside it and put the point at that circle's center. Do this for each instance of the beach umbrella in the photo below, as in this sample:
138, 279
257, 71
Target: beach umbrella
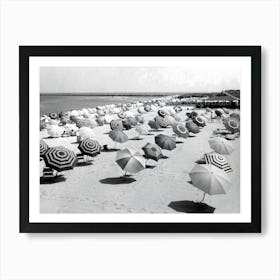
71, 129
100, 121
116, 124
172, 112
208, 110
235, 115
118, 136
85, 123
140, 119
141, 110
43, 147
86, 132
192, 127
131, 121
198, 121
43, 125
232, 124
218, 161
180, 130
169, 120
210, 179
221, 145
108, 119
141, 129
226, 110
60, 158
130, 160
153, 125
219, 112
194, 114
100, 112
53, 116
126, 124
162, 113
152, 151
147, 108
90, 147
55, 130
121, 115
161, 122
165, 142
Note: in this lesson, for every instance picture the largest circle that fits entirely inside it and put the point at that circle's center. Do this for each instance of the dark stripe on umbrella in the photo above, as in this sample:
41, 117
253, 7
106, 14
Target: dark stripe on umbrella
43, 147
218, 161
90, 147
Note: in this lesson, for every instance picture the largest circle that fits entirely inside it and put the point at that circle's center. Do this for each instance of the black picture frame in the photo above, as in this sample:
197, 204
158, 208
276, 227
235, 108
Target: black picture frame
25, 52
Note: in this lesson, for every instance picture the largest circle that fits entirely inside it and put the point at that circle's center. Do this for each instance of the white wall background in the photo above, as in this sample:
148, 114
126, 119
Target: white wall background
138, 256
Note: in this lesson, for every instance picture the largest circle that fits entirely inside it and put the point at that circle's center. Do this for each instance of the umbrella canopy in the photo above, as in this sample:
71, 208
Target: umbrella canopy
210, 179
121, 115
55, 130
162, 113
192, 127
232, 124
152, 151
90, 147
60, 158
153, 125
235, 115
100, 121
218, 161
130, 160
169, 120
141, 129
141, 110
53, 116
221, 145
131, 121
147, 108
43, 147
86, 132
199, 121
118, 136
226, 110
140, 119
165, 142
116, 124
219, 112
161, 122
180, 130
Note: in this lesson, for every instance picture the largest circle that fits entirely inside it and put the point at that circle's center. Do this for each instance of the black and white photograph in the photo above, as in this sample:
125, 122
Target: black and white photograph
140, 139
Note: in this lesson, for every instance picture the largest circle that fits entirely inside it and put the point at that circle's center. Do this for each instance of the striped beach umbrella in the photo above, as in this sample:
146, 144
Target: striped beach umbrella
90, 147
152, 151
221, 145
161, 122
118, 136
232, 124
153, 125
43, 147
218, 161
165, 142
121, 115
162, 113
199, 121
180, 130
53, 116
130, 160
192, 127
147, 108
116, 124
60, 158
210, 179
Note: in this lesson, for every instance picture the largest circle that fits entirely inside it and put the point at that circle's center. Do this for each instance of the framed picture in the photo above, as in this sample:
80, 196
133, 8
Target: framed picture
140, 138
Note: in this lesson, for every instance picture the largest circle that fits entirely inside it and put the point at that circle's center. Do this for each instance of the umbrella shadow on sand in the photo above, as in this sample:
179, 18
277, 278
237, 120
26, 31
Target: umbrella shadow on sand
187, 206
56, 179
117, 180
85, 163
180, 142
150, 166
136, 138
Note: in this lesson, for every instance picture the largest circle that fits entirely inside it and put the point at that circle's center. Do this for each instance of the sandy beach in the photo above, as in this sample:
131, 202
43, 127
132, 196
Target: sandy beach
99, 188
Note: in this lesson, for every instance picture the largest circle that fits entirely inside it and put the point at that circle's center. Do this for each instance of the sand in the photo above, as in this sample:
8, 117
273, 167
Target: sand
99, 188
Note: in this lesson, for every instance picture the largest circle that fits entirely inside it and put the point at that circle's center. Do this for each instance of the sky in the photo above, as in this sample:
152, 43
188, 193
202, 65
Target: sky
137, 79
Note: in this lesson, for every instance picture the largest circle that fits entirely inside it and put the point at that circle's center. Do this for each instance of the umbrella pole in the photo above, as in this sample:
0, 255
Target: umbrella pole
203, 197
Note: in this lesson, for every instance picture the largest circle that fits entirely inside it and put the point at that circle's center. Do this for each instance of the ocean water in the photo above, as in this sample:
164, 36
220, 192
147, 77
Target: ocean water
60, 103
